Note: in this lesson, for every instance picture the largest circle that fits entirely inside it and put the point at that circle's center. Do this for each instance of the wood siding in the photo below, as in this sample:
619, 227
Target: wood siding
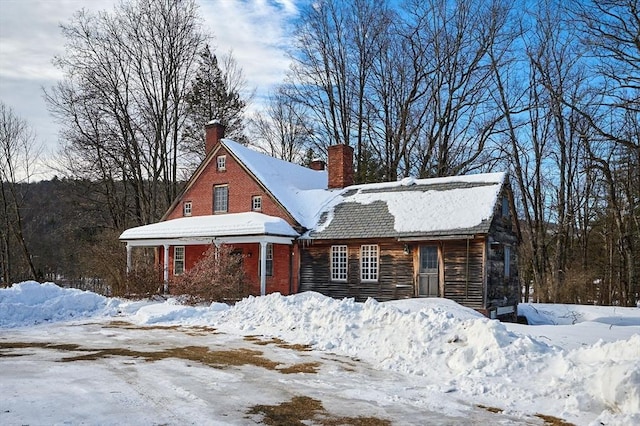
395, 272
464, 272
501, 290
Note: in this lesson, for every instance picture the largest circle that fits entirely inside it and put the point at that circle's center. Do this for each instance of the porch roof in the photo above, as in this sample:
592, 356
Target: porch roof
234, 227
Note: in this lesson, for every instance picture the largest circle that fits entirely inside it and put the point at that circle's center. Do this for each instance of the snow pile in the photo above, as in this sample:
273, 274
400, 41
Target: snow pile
31, 303
520, 369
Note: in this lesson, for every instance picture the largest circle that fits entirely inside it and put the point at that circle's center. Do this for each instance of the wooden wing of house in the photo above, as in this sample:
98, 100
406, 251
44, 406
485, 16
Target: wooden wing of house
445, 237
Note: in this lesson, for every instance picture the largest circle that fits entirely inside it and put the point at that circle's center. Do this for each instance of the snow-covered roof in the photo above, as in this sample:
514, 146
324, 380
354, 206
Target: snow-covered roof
211, 226
458, 205
301, 190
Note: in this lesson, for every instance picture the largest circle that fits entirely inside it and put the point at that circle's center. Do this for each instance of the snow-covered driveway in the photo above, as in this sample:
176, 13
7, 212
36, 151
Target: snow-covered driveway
112, 372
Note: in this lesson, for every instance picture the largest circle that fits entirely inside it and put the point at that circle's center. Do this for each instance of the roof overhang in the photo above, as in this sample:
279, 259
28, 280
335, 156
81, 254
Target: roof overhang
250, 227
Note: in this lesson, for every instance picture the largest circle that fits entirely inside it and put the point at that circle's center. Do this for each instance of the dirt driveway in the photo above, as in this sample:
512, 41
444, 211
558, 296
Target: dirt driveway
118, 373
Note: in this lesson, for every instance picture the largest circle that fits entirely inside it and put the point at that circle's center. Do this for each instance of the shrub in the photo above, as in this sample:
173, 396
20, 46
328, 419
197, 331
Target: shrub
144, 280
218, 277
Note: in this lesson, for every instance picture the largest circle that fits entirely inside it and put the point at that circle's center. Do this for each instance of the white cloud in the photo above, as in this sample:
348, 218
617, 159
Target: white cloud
254, 30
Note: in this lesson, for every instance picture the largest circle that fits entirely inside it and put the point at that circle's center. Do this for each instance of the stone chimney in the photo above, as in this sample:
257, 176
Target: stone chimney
340, 166
317, 164
213, 132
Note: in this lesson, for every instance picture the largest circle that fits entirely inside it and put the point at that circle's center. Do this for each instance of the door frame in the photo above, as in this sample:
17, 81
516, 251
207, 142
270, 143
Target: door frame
438, 270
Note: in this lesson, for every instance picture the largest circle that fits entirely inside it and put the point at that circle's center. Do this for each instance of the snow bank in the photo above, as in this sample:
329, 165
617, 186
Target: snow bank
30, 303
455, 349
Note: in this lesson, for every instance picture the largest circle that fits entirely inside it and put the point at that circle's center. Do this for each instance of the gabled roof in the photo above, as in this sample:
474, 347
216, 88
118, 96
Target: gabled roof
300, 190
459, 205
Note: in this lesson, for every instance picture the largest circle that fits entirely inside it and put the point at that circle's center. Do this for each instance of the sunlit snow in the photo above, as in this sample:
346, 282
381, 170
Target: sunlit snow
581, 364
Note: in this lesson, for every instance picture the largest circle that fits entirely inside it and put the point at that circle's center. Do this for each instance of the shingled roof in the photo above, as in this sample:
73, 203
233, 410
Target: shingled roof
456, 206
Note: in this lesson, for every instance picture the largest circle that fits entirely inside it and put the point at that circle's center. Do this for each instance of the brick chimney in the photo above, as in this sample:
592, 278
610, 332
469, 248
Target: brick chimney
340, 166
317, 164
213, 132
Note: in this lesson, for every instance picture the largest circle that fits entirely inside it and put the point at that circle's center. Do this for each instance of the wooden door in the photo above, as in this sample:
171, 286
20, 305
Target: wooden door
428, 273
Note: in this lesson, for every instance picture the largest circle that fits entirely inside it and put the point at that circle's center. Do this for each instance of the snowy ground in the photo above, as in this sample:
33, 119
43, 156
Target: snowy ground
72, 357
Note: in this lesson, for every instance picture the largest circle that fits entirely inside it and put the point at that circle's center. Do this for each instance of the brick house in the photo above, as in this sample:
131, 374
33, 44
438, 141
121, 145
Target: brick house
311, 229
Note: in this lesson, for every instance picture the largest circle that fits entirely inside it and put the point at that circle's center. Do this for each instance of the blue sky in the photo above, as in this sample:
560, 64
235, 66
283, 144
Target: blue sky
254, 30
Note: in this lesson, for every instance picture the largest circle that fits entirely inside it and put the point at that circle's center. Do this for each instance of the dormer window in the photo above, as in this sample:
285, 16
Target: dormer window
186, 208
221, 162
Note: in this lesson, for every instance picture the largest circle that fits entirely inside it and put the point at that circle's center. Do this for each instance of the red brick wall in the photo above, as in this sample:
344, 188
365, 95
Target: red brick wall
278, 282
242, 187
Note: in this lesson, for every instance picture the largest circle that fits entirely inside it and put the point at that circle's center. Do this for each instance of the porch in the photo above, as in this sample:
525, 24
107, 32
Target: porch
265, 233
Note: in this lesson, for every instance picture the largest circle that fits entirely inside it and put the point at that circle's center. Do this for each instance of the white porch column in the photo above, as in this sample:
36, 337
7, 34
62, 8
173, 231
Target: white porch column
263, 268
129, 248
166, 268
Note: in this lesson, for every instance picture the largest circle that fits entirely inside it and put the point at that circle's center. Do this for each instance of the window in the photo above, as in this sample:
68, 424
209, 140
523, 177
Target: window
269, 260
505, 207
507, 261
221, 162
220, 199
186, 208
178, 260
369, 262
256, 203
338, 263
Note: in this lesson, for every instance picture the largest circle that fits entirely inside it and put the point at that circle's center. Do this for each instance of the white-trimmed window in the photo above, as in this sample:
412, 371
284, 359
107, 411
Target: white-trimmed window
186, 208
221, 163
178, 260
369, 262
269, 261
507, 261
220, 198
256, 203
338, 263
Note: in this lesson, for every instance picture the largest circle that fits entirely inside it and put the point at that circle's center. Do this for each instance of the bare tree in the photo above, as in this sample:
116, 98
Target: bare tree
336, 44
282, 129
610, 31
18, 154
122, 101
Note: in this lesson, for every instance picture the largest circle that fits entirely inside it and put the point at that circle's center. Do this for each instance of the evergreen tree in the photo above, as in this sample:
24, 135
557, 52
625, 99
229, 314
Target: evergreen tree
214, 95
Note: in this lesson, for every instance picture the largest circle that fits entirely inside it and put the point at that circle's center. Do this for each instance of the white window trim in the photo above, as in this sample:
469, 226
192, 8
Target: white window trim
336, 270
215, 205
221, 163
268, 258
372, 270
187, 208
176, 261
269, 272
257, 198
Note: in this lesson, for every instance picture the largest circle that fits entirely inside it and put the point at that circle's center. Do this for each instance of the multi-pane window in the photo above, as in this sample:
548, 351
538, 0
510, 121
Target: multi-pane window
178, 260
186, 208
256, 203
220, 199
338, 263
221, 162
269, 261
369, 262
